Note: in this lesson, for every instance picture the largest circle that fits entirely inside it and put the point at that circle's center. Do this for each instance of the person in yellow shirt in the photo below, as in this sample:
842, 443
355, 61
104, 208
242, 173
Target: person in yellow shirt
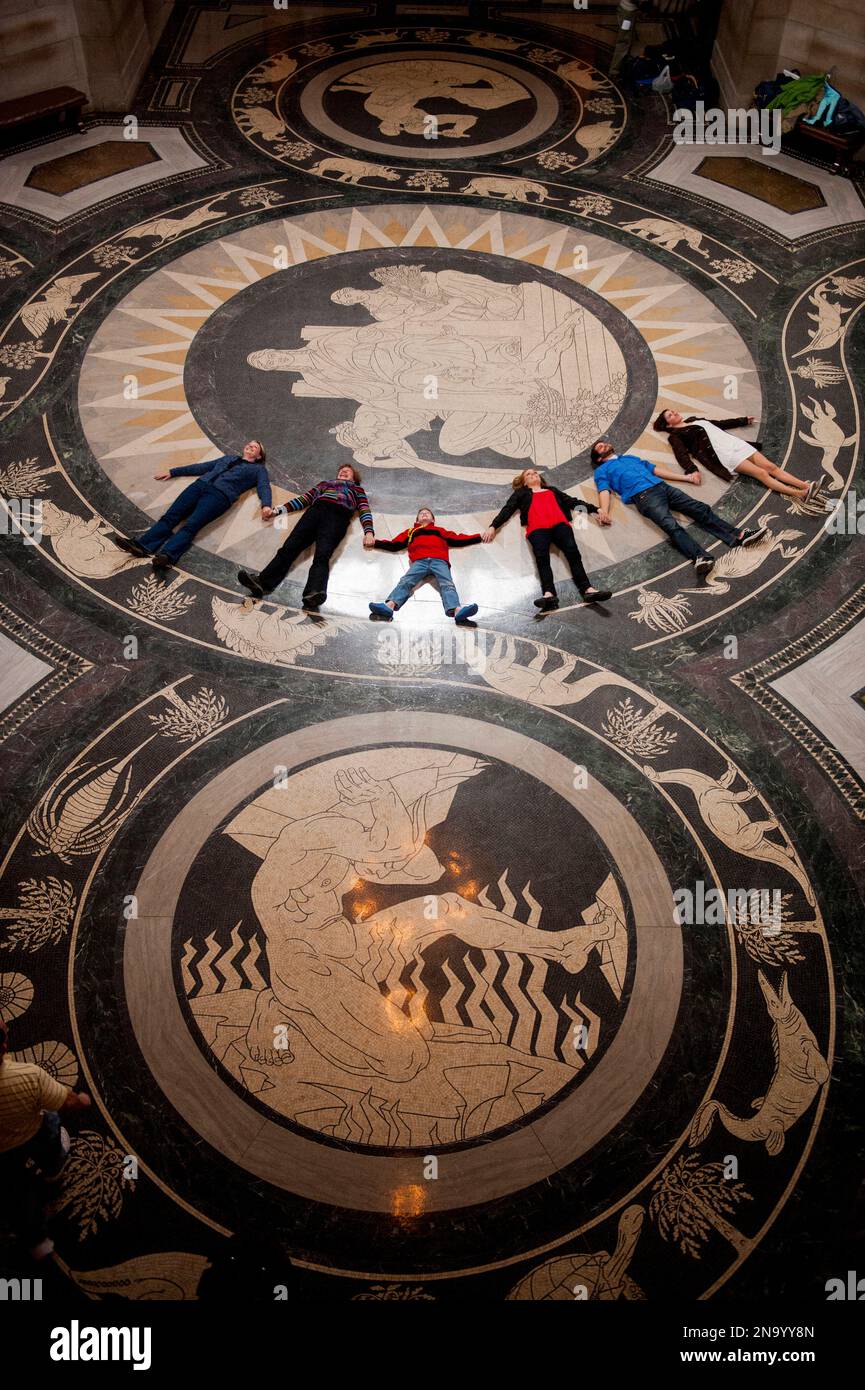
31, 1105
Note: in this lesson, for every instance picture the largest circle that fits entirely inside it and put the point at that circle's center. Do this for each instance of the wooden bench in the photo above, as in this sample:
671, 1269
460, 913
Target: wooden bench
62, 104
816, 140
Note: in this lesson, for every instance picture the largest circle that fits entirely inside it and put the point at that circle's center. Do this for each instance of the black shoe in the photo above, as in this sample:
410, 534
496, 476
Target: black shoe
596, 596
131, 547
546, 604
704, 564
313, 601
749, 537
250, 583
161, 561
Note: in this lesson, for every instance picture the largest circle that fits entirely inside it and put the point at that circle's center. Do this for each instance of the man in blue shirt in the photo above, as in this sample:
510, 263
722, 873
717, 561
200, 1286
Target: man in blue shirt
638, 481
218, 485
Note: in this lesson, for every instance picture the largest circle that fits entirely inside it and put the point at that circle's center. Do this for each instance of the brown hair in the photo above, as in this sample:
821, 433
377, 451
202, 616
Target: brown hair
261, 453
354, 471
424, 508
661, 423
519, 480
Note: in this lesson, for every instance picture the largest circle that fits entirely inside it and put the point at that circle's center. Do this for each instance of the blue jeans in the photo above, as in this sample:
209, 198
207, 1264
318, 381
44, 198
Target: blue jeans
197, 505
417, 572
656, 503
23, 1197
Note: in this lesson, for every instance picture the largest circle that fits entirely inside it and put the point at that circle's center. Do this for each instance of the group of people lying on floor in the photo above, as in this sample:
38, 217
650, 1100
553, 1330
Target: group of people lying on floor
545, 513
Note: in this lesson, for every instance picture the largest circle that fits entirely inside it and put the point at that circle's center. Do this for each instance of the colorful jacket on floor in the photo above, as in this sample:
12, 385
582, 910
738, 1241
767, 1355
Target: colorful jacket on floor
427, 542
344, 494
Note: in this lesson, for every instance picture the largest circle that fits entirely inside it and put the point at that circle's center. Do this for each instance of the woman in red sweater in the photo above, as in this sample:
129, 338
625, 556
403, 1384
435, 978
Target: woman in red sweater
428, 547
546, 514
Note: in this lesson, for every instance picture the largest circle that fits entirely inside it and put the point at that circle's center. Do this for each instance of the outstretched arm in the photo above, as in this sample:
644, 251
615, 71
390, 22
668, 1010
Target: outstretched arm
682, 453
398, 543
693, 476
457, 538
511, 506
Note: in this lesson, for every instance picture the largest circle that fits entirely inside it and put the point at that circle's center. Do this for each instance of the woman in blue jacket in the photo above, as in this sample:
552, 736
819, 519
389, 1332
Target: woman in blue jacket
217, 486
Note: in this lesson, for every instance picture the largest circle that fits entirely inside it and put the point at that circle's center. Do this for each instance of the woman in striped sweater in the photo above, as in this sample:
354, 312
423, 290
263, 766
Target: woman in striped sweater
330, 508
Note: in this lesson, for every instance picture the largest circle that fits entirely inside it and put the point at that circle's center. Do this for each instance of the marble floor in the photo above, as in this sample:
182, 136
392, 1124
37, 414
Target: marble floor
431, 961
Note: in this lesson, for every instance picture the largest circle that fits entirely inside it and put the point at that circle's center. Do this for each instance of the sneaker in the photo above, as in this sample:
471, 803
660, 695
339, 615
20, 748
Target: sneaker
704, 564
814, 488
596, 595
313, 601
546, 604
749, 537
467, 611
250, 583
381, 611
161, 561
131, 547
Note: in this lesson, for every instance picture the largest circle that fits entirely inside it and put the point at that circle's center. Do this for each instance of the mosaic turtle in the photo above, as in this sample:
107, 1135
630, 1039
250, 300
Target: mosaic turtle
601, 1275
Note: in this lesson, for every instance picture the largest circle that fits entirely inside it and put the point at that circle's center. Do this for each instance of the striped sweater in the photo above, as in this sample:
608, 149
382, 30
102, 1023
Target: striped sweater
340, 492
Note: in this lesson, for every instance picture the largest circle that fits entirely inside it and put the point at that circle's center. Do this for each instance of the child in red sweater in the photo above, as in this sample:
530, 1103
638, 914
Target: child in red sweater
428, 547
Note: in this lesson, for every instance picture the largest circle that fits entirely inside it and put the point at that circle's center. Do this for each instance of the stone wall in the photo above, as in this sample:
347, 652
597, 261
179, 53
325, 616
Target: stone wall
757, 38
102, 47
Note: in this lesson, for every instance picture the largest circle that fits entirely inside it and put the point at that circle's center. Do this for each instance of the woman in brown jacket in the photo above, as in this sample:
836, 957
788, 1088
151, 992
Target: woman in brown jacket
696, 440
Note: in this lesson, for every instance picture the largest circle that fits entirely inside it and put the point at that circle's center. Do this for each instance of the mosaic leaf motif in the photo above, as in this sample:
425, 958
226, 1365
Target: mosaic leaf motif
691, 1201
24, 477
188, 720
94, 1188
45, 911
155, 599
635, 732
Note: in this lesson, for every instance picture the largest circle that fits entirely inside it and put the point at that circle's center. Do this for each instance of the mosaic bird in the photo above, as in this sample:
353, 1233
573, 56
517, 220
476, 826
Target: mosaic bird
55, 304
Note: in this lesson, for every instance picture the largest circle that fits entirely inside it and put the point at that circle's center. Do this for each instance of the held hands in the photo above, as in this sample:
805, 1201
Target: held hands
695, 478
488, 535
266, 513
603, 518
368, 540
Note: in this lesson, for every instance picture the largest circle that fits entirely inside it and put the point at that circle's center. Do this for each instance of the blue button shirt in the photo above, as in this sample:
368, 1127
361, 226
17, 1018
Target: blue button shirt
232, 475
626, 474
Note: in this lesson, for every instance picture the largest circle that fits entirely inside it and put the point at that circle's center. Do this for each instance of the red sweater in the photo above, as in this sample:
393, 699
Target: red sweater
428, 542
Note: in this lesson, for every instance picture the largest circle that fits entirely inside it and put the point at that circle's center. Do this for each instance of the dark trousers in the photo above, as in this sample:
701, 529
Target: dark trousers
21, 1187
656, 503
195, 507
562, 536
323, 525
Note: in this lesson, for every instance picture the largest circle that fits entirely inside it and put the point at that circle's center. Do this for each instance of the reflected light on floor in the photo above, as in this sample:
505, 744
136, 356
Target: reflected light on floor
408, 1202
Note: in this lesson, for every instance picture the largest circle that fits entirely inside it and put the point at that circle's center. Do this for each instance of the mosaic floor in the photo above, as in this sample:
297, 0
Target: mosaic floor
364, 939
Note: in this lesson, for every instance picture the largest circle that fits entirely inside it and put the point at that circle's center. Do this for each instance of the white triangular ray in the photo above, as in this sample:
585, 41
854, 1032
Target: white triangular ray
490, 227
682, 331
196, 285
168, 319
247, 260
360, 224
157, 441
